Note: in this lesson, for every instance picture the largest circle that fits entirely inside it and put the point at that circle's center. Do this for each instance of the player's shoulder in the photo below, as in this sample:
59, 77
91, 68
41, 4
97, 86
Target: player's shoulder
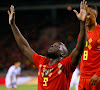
98, 29
43, 56
44, 59
38, 55
12, 67
67, 59
98, 26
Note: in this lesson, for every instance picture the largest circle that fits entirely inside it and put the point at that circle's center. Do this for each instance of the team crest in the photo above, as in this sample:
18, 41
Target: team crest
46, 73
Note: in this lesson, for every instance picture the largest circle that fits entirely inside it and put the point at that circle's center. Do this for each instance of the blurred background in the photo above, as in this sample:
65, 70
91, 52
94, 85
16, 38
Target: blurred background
42, 22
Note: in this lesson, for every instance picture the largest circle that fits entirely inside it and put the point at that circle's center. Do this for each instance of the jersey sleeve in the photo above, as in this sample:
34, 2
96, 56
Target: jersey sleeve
68, 64
10, 71
37, 59
19, 71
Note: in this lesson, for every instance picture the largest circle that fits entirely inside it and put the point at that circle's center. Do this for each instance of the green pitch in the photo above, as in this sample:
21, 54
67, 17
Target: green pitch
25, 87
22, 87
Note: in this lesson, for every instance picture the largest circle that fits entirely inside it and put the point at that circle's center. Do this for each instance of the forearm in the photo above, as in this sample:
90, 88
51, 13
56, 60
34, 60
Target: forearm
82, 38
77, 52
21, 41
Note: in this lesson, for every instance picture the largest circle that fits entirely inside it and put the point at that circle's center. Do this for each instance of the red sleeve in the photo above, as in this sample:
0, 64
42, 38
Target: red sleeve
68, 64
37, 59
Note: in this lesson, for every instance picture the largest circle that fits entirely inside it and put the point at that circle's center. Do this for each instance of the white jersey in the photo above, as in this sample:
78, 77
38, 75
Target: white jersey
18, 71
75, 79
12, 72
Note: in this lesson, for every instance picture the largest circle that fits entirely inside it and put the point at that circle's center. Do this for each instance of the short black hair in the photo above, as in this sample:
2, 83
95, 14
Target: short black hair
93, 7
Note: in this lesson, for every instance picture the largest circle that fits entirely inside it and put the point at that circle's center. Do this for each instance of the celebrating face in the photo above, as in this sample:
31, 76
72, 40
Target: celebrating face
91, 16
57, 50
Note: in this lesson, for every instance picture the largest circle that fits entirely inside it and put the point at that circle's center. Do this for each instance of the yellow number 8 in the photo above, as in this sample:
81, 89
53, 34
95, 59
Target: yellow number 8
85, 55
45, 81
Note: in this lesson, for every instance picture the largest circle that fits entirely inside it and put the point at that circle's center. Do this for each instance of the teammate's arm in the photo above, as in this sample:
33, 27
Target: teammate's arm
21, 41
77, 52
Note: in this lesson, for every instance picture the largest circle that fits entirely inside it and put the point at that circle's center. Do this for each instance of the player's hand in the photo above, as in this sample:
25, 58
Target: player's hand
94, 80
11, 14
83, 7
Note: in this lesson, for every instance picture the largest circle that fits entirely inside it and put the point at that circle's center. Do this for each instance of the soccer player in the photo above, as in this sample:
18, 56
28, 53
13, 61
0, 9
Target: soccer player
75, 79
11, 76
90, 60
55, 70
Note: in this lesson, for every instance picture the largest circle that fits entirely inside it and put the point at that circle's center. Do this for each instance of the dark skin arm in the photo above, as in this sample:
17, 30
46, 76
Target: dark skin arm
77, 52
21, 41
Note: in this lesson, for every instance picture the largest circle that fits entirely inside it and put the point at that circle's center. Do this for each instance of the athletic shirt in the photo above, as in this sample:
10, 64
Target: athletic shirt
56, 76
90, 60
13, 72
18, 71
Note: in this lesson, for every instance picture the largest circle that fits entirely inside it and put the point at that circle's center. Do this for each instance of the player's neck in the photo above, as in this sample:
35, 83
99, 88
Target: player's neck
92, 27
53, 61
15, 66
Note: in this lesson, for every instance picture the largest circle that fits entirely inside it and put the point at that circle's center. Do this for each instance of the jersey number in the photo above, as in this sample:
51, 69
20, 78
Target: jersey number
45, 81
85, 56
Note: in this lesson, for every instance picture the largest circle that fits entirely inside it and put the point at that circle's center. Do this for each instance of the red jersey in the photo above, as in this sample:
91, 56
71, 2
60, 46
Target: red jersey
56, 76
90, 60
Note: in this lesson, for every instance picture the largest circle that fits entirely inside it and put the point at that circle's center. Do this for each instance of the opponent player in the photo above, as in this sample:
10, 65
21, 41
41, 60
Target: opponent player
11, 75
56, 69
75, 79
90, 61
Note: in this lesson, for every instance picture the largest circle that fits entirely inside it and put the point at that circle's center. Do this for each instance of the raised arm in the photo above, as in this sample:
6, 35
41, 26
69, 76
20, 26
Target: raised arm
21, 41
77, 52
